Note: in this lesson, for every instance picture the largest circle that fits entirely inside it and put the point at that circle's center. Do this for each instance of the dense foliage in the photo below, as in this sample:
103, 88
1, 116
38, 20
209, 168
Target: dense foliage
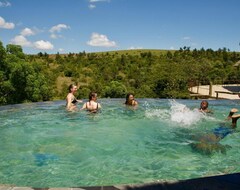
21, 79
146, 73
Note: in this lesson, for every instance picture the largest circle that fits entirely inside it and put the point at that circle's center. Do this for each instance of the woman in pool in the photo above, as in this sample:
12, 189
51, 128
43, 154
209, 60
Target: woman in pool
92, 105
209, 143
130, 101
71, 100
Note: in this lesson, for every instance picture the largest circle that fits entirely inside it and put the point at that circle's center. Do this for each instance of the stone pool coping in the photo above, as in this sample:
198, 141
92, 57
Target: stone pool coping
221, 182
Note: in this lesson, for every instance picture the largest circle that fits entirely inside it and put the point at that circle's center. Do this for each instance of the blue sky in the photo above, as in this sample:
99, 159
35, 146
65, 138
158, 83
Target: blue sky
105, 25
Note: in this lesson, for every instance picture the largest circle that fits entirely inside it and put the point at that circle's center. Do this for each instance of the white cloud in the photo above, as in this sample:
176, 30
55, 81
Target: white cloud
6, 25
27, 32
5, 4
132, 47
91, 6
43, 45
58, 28
60, 49
21, 40
172, 48
37, 30
55, 36
100, 40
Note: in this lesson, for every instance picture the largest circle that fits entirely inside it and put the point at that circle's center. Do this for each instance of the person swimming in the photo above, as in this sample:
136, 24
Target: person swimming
209, 143
204, 107
223, 130
130, 101
71, 100
92, 105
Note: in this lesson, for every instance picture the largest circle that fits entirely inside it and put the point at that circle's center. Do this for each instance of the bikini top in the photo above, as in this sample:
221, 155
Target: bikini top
91, 110
74, 101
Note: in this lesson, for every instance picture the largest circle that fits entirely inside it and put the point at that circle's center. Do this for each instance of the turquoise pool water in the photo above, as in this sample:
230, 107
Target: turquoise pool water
42, 145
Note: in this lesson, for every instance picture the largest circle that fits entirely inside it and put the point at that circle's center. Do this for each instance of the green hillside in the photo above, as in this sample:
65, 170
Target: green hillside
136, 52
146, 73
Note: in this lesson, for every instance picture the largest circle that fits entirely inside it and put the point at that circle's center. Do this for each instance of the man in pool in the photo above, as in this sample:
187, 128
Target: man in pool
204, 107
209, 143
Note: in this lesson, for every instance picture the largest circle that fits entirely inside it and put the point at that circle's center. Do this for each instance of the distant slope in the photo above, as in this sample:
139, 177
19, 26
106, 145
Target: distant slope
135, 51
122, 52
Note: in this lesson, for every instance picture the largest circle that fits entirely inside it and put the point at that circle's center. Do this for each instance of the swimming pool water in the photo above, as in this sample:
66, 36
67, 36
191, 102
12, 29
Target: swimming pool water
43, 145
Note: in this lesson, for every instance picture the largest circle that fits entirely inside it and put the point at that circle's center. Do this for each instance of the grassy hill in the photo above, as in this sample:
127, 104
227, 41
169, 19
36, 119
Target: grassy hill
135, 52
121, 52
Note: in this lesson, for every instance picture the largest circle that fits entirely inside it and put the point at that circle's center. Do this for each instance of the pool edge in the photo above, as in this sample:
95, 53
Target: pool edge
219, 182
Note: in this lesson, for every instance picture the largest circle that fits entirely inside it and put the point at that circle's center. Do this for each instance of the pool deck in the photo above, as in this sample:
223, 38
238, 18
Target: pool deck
222, 182
229, 92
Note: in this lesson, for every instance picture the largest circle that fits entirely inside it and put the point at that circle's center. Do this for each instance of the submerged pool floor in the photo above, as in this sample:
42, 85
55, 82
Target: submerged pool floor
43, 145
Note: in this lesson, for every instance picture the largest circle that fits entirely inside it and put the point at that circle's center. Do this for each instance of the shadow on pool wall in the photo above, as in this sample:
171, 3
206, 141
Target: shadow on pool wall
222, 182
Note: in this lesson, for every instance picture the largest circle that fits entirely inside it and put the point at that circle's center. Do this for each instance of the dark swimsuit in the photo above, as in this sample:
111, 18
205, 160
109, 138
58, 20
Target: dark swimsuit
93, 110
74, 101
222, 131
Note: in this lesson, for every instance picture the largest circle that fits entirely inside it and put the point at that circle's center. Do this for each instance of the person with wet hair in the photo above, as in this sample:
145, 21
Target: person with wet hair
204, 107
92, 105
130, 101
71, 100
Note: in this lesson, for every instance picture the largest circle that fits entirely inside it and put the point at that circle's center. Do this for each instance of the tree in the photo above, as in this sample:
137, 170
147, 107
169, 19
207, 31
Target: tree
5, 89
115, 90
2, 56
15, 50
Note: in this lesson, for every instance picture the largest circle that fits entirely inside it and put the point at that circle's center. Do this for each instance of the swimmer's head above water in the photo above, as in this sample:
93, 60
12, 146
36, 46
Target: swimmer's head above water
204, 107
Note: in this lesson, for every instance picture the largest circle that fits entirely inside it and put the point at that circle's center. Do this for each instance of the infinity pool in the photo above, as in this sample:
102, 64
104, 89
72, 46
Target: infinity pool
43, 145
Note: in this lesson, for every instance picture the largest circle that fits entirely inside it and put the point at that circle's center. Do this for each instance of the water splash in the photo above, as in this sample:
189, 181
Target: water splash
181, 114
177, 113
162, 114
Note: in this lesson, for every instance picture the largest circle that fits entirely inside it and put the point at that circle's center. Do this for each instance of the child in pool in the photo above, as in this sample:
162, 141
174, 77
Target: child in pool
204, 107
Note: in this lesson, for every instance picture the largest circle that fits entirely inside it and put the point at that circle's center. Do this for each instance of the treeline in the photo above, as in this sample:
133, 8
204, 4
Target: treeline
148, 74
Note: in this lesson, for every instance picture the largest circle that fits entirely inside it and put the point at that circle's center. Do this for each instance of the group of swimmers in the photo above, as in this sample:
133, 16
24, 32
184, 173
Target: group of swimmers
205, 143
204, 108
92, 105
209, 143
